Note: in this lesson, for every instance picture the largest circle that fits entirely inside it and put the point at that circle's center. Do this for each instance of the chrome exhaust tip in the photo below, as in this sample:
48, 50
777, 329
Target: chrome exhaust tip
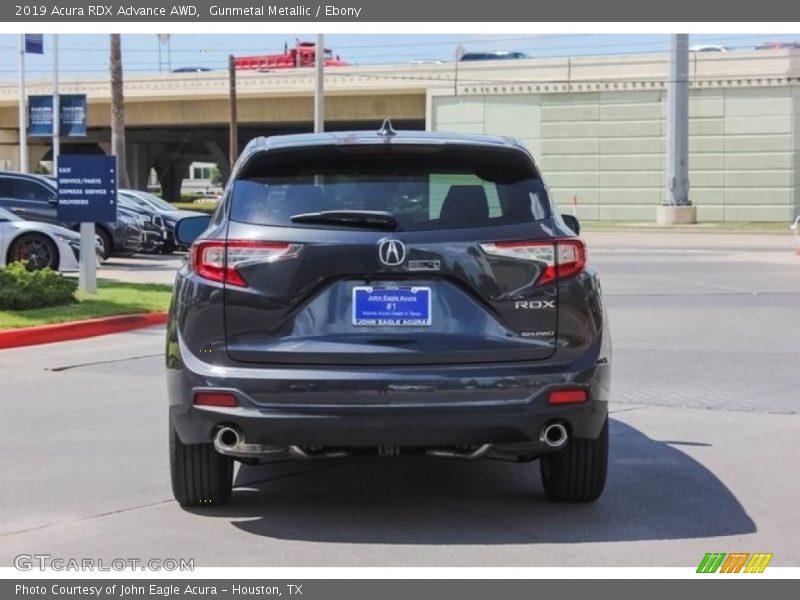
230, 442
554, 435
226, 439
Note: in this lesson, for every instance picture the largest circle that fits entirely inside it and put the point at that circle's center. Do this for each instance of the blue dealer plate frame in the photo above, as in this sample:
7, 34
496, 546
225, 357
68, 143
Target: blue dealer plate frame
375, 306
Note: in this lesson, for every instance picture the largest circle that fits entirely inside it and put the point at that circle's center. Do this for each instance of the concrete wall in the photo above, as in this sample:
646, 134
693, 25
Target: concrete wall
607, 147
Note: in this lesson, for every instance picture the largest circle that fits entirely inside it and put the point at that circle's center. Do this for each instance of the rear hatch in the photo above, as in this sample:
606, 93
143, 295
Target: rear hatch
389, 255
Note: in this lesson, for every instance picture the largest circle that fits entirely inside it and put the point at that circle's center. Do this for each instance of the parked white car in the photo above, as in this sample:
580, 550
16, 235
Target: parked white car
38, 244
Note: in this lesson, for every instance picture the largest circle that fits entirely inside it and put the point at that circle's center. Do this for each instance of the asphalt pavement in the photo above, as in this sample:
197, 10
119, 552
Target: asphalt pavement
704, 443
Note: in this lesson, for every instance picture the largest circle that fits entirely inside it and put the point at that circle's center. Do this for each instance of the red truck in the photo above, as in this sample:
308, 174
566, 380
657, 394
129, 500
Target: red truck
302, 55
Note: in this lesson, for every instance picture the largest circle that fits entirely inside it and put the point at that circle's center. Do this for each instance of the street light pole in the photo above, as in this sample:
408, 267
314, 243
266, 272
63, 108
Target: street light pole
459, 54
678, 122
233, 119
319, 85
23, 132
56, 108
677, 208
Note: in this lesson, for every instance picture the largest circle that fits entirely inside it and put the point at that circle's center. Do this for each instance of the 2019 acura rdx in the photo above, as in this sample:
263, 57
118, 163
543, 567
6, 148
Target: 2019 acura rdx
386, 292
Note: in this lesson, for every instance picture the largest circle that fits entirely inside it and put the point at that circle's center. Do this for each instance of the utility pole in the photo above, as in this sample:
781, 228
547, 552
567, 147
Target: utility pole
233, 127
23, 120
459, 54
56, 108
319, 85
677, 208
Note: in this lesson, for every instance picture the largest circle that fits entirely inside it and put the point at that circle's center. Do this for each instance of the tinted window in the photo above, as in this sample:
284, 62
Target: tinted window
6, 187
420, 193
22, 189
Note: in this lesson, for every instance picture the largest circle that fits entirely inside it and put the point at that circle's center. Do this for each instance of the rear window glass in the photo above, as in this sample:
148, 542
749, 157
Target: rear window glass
420, 193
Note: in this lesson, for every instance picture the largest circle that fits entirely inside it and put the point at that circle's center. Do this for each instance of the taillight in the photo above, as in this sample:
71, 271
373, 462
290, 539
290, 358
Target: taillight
562, 258
219, 260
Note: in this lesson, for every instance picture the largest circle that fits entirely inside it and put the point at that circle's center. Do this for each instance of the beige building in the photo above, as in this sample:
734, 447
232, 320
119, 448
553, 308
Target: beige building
602, 142
595, 124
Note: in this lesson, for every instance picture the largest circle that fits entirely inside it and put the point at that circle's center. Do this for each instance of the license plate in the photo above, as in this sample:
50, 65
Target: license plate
392, 307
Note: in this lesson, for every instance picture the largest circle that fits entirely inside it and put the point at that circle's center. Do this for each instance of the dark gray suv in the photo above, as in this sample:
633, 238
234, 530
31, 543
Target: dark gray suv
386, 292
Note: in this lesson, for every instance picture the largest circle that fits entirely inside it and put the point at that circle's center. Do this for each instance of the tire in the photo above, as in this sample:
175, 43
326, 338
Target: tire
36, 250
576, 473
200, 475
106, 242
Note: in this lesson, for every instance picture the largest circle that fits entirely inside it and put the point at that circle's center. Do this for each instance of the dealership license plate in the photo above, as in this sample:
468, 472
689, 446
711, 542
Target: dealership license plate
392, 307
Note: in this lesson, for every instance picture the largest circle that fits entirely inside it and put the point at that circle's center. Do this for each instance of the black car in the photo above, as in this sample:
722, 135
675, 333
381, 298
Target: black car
153, 226
35, 198
389, 292
169, 215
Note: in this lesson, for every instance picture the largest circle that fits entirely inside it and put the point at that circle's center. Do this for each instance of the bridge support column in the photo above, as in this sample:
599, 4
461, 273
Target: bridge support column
220, 157
140, 161
171, 175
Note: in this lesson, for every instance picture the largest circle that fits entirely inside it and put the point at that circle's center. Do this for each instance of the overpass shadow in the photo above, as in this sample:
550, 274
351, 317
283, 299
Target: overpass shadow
654, 492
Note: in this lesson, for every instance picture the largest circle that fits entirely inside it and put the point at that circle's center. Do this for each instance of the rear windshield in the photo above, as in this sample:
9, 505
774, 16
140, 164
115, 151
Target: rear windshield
419, 191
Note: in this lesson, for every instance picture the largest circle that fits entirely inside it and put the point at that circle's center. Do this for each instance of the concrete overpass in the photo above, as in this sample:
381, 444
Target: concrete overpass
176, 119
596, 124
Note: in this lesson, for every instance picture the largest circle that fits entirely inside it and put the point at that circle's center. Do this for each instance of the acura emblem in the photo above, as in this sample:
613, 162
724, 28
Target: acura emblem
392, 252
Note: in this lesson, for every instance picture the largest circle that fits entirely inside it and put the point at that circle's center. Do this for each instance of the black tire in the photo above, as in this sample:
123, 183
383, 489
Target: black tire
36, 250
106, 241
576, 473
200, 475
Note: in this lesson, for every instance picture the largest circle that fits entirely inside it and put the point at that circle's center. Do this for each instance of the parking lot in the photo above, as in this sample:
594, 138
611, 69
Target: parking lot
704, 442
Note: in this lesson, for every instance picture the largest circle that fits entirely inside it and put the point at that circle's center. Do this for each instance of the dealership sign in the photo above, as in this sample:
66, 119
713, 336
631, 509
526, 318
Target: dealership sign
87, 188
72, 109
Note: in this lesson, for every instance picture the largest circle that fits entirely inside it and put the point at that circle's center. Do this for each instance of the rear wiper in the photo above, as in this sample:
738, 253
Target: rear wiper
353, 218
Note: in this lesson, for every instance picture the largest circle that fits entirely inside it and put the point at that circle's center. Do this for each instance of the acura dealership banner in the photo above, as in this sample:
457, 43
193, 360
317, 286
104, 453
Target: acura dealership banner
72, 109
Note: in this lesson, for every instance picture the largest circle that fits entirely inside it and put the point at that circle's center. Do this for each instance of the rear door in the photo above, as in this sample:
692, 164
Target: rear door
462, 275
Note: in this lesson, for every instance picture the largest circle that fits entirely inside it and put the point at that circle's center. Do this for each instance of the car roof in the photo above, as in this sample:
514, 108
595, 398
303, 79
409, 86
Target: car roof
50, 181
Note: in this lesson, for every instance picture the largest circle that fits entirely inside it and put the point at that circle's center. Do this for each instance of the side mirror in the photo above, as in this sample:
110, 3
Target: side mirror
572, 222
189, 229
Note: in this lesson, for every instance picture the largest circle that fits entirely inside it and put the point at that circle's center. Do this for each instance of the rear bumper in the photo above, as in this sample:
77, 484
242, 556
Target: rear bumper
409, 406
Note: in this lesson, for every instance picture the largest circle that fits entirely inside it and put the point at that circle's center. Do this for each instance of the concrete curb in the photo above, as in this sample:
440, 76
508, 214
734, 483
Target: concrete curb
75, 330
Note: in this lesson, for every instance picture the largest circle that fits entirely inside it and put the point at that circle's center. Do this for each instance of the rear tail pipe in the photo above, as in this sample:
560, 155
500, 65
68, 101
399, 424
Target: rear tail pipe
554, 435
226, 439
230, 442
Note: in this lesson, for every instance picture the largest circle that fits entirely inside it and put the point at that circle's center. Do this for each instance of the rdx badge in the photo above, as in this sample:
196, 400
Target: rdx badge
534, 304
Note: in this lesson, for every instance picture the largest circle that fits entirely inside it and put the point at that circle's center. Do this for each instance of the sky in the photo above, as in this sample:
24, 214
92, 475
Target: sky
88, 54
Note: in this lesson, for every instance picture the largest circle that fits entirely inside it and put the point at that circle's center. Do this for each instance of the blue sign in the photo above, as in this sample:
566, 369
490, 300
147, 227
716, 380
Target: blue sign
392, 307
87, 188
73, 115
34, 43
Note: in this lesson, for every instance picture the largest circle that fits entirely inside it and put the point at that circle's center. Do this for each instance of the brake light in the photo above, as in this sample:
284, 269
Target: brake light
562, 258
219, 260
567, 396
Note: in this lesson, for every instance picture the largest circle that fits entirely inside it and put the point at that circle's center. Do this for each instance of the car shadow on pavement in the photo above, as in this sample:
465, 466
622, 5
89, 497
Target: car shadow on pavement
654, 492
